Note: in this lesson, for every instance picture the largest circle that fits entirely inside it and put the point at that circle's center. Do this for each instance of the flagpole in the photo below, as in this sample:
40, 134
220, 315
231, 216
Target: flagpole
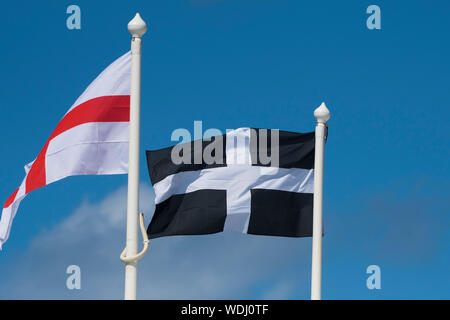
322, 114
137, 28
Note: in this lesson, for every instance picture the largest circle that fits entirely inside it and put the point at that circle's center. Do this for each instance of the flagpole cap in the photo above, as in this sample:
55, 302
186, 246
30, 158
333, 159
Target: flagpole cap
137, 26
322, 114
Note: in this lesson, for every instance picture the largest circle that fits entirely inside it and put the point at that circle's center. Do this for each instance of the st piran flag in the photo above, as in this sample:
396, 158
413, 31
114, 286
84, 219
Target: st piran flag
253, 181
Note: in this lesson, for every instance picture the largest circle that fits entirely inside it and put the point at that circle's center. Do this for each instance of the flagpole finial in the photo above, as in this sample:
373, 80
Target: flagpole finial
137, 26
322, 114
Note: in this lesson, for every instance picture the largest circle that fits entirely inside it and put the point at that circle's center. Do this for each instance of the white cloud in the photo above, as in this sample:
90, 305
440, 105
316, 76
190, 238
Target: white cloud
226, 265
281, 290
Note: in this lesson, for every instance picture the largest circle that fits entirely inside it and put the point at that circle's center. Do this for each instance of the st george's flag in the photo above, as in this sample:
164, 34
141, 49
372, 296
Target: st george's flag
91, 138
227, 183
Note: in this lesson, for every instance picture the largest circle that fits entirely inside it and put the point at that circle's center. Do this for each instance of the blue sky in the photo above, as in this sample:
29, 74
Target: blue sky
231, 64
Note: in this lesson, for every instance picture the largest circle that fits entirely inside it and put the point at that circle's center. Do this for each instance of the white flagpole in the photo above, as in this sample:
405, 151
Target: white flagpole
137, 28
322, 114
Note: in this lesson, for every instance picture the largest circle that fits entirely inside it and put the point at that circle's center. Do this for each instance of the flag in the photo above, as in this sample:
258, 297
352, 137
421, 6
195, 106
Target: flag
91, 138
253, 181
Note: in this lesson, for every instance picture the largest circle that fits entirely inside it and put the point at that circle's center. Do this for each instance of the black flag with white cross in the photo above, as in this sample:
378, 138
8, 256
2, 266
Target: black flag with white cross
254, 181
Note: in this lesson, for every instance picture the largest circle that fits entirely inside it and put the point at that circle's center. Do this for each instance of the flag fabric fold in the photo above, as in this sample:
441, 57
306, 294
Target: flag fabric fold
240, 190
91, 139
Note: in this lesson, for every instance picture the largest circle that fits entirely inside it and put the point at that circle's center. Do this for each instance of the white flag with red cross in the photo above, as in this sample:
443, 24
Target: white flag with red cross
91, 138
